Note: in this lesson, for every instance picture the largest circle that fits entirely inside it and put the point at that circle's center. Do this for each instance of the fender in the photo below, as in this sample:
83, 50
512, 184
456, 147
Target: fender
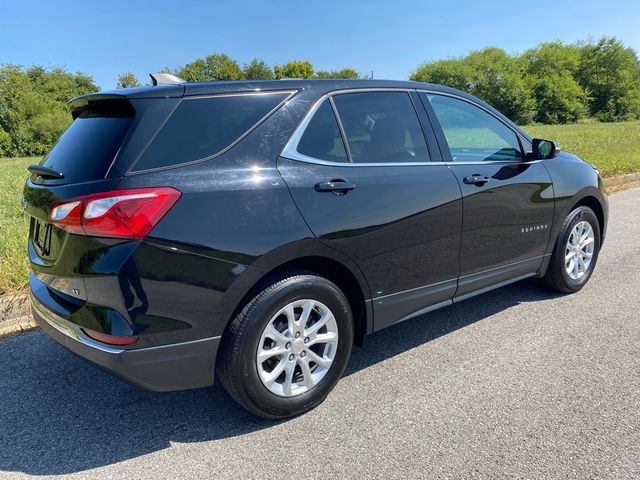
574, 182
297, 251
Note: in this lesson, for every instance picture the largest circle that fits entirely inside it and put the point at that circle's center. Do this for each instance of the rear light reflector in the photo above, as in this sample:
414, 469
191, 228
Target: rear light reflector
61, 212
110, 339
117, 214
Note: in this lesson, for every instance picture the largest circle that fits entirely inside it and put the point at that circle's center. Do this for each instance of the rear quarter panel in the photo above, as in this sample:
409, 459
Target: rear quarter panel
234, 222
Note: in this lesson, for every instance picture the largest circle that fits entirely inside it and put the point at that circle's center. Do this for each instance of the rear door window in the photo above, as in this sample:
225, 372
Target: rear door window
381, 127
203, 127
321, 139
87, 148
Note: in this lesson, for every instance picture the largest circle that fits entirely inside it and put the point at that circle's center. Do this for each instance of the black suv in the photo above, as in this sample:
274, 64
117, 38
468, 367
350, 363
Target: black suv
260, 229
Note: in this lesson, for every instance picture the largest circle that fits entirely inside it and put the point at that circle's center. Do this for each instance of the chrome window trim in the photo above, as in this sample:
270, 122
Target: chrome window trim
290, 93
328, 163
290, 149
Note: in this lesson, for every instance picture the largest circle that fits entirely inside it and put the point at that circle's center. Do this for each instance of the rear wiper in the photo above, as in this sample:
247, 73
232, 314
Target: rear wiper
44, 172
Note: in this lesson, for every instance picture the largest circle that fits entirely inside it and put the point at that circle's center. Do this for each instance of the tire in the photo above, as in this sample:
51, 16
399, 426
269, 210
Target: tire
243, 375
557, 276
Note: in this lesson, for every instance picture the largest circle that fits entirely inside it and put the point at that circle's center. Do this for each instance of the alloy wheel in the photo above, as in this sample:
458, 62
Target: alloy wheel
297, 347
579, 250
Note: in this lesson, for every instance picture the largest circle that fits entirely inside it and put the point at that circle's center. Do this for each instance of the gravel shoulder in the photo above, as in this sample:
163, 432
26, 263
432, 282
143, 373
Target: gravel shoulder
15, 314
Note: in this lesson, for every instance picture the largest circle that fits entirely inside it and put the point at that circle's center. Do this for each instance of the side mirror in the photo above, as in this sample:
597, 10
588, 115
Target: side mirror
544, 149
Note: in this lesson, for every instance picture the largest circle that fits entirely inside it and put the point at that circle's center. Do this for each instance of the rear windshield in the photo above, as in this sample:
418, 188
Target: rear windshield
87, 148
203, 127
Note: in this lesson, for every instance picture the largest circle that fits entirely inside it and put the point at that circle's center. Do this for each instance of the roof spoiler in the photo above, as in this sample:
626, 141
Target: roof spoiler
165, 79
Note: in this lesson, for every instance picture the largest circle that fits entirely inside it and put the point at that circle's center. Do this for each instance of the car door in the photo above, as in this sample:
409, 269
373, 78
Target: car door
508, 200
358, 169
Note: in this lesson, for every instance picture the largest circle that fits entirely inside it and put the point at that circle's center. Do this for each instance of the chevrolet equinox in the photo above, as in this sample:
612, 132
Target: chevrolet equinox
256, 230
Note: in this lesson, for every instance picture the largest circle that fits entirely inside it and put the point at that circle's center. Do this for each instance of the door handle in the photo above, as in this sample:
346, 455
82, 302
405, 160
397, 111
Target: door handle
339, 187
475, 179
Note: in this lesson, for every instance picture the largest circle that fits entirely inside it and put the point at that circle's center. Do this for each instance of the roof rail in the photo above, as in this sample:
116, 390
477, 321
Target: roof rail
165, 79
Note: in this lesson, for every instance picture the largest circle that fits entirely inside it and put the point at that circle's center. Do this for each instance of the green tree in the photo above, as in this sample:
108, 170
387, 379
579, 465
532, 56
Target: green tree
452, 72
342, 73
195, 71
216, 66
294, 69
499, 81
550, 70
610, 74
59, 84
257, 69
127, 80
222, 67
490, 74
33, 107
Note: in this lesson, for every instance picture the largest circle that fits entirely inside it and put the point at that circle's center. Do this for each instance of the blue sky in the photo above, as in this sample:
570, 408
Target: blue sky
391, 38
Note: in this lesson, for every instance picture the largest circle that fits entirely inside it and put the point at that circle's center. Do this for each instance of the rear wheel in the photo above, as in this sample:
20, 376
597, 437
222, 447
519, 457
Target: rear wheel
286, 350
575, 253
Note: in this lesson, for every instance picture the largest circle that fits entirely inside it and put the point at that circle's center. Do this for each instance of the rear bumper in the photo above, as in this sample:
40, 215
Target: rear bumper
178, 366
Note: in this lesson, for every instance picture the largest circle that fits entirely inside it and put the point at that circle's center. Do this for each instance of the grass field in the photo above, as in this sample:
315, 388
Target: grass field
14, 224
613, 147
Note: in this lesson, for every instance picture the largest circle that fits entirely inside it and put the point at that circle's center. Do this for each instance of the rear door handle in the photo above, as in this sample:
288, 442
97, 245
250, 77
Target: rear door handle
339, 187
475, 179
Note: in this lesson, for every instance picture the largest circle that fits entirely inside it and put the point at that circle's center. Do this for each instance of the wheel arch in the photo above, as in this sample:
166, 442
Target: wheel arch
594, 204
589, 197
329, 264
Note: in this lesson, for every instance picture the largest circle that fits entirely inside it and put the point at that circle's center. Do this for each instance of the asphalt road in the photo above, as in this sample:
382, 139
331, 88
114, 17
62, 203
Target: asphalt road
518, 383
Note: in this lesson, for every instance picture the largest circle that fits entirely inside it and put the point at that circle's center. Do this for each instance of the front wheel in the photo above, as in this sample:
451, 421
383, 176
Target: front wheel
286, 350
575, 253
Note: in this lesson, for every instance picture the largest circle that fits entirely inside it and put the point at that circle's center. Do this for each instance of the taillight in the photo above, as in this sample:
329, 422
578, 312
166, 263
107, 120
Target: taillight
117, 214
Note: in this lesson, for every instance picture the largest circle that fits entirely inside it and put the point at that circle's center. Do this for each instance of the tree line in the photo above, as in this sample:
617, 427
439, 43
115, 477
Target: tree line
33, 101
219, 66
33, 107
554, 82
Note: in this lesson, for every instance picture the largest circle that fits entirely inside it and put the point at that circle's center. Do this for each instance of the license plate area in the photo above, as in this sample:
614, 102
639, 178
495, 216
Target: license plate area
42, 237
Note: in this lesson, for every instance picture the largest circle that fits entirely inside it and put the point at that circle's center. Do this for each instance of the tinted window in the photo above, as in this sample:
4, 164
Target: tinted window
381, 127
321, 139
472, 134
202, 127
87, 148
